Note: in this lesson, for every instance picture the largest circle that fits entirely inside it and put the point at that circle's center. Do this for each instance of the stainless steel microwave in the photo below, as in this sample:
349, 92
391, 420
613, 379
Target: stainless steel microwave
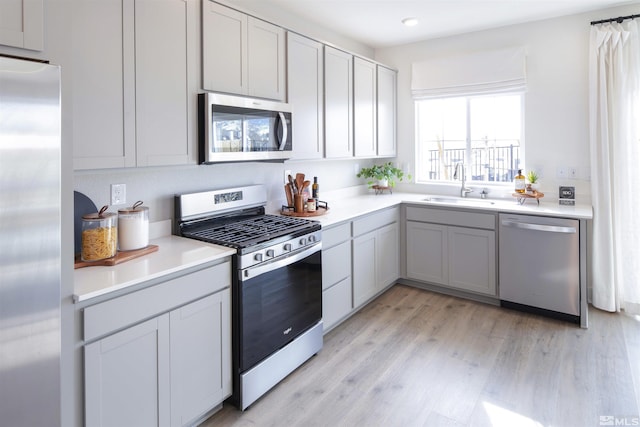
237, 129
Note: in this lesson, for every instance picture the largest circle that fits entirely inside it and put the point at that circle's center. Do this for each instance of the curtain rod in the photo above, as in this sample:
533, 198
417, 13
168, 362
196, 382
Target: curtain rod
619, 19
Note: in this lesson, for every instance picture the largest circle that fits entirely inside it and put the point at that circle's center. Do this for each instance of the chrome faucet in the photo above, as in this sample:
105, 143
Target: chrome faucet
459, 170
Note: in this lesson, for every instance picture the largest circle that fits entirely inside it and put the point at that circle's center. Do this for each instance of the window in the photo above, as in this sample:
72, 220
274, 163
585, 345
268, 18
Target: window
484, 132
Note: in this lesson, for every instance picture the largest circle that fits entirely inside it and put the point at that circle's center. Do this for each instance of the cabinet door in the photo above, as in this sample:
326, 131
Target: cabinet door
266, 59
387, 258
364, 270
161, 83
200, 357
336, 264
472, 260
386, 110
224, 49
336, 303
127, 377
364, 108
22, 24
427, 252
306, 94
338, 98
102, 65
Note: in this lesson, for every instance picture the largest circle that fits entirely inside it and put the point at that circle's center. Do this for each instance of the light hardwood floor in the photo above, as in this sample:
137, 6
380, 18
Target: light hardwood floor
417, 358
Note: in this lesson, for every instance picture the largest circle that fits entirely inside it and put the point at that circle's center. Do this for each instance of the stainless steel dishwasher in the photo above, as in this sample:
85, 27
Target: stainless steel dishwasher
539, 265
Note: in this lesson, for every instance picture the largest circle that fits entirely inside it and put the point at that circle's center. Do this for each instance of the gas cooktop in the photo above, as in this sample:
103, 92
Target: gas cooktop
252, 231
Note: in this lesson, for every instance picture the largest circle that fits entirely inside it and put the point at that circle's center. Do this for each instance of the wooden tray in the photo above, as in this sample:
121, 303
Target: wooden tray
522, 197
318, 212
379, 190
119, 258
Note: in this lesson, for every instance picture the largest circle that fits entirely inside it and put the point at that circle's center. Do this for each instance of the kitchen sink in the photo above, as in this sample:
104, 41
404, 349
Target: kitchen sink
459, 201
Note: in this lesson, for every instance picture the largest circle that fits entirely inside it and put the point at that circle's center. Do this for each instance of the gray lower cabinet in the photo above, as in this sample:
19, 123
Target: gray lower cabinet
356, 269
337, 302
171, 369
375, 249
456, 249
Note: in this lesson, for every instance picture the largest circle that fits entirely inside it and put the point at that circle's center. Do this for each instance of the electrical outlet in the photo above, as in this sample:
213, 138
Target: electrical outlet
561, 173
356, 168
118, 194
573, 172
286, 175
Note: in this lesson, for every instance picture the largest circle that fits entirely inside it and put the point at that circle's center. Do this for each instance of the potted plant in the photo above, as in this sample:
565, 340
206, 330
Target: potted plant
384, 175
532, 176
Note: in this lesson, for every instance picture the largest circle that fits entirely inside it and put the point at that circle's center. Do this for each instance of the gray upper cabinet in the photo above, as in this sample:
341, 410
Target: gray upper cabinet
386, 112
100, 139
364, 108
22, 24
131, 101
338, 107
165, 77
224, 49
241, 54
305, 72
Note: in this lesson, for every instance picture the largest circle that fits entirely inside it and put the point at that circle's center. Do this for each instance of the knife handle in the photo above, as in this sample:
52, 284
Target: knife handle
289, 193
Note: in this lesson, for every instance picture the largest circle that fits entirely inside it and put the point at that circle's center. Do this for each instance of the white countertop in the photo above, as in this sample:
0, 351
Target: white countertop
174, 254
178, 253
346, 207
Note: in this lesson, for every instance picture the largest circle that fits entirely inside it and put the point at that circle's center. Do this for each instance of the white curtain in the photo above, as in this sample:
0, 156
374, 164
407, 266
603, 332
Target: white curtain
614, 77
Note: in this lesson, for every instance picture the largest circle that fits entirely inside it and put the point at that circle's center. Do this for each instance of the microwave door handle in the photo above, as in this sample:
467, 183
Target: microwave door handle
285, 132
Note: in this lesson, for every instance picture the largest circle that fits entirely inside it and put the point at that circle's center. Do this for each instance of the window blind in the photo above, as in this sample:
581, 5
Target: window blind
487, 72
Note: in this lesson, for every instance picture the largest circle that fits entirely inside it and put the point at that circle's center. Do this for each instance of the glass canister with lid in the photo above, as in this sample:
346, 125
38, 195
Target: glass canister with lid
99, 235
133, 227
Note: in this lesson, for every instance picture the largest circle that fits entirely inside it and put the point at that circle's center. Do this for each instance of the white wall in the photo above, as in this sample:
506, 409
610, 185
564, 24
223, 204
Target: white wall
157, 186
556, 104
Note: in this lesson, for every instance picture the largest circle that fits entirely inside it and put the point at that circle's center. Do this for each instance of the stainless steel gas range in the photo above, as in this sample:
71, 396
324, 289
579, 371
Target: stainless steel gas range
277, 286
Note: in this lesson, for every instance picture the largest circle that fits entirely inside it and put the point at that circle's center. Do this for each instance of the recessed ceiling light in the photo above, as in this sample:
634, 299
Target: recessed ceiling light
410, 22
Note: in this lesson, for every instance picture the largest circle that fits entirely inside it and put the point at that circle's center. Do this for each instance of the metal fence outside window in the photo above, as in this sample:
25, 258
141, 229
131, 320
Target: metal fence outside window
496, 164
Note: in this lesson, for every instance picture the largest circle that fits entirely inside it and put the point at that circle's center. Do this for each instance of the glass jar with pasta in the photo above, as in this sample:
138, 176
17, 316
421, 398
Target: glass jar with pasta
99, 235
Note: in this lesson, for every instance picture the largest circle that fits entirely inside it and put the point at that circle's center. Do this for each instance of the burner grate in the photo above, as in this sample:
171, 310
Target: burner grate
250, 231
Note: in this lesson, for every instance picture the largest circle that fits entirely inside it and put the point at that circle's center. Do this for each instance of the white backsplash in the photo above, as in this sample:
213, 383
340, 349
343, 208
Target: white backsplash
156, 187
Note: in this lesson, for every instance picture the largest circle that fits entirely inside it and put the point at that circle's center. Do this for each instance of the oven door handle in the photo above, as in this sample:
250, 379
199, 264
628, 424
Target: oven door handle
294, 257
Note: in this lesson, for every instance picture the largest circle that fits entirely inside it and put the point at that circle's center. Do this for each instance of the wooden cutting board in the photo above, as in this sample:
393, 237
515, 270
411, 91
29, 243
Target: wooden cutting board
119, 258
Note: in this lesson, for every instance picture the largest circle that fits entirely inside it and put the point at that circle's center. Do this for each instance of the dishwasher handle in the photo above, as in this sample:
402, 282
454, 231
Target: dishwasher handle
538, 227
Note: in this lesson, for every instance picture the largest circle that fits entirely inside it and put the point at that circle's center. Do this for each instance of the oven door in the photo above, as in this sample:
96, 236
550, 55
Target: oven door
277, 302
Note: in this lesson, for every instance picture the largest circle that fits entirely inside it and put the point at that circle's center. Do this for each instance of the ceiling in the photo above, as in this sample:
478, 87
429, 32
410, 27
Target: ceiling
377, 23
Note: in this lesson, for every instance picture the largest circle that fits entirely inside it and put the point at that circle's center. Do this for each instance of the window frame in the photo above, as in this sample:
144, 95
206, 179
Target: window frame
422, 168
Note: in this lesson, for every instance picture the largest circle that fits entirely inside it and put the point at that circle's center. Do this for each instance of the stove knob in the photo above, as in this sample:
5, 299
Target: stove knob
303, 241
287, 247
271, 253
257, 257
312, 238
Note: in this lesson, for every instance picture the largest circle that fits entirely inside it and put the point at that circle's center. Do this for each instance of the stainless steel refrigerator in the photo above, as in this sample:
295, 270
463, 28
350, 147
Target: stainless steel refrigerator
30, 243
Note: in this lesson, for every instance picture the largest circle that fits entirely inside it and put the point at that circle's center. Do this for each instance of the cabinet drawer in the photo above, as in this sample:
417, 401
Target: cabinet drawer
336, 303
374, 221
334, 235
120, 312
336, 264
451, 217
